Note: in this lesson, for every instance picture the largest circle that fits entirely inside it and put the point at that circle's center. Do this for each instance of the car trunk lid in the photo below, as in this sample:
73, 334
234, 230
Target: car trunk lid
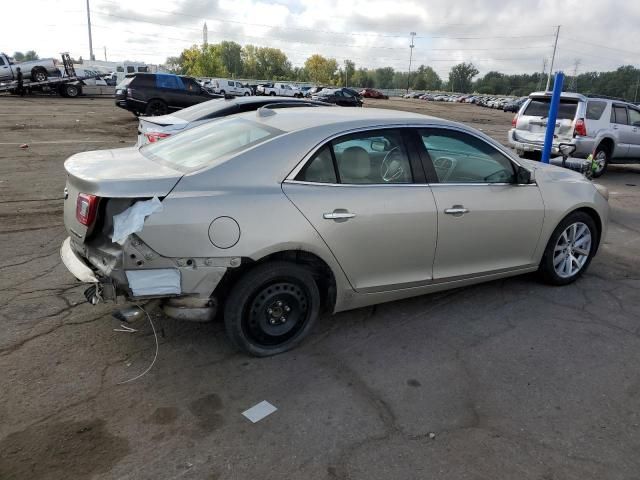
122, 173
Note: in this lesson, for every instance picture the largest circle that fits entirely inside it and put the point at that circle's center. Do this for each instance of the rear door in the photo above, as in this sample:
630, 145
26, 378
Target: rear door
623, 131
532, 122
486, 222
366, 196
634, 123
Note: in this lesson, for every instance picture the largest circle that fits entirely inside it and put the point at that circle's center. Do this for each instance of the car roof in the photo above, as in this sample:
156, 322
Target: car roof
292, 119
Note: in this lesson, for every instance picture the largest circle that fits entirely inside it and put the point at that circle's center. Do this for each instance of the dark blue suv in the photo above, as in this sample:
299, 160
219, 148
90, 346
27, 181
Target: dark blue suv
159, 93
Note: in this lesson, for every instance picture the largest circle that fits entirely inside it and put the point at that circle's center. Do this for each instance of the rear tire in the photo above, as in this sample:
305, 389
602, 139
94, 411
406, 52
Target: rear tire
156, 108
246, 94
39, 75
71, 91
273, 94
602, 156
271, 308
570, 249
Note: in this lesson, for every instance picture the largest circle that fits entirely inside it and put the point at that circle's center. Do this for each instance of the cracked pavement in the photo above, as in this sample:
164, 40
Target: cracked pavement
509, 379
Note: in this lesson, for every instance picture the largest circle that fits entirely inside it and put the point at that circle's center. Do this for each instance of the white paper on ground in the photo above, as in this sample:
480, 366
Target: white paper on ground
161, 281
132, 219
259, 411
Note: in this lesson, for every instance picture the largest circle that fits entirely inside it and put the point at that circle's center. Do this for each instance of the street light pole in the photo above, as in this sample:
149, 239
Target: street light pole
413, 34
553, 58
91, 56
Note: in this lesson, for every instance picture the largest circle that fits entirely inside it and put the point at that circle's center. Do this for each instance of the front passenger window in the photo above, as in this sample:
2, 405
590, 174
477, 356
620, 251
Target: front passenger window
462, 158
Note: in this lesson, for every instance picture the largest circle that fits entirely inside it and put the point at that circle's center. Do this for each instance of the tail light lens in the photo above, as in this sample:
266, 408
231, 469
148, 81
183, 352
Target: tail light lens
153, 137
86, 208
580, 129
514, 122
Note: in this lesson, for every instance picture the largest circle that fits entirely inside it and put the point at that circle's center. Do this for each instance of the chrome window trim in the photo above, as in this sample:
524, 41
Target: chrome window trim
361, 185
290, 178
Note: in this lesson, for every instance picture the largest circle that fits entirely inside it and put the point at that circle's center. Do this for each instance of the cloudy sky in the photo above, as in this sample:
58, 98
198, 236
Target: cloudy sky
511, 37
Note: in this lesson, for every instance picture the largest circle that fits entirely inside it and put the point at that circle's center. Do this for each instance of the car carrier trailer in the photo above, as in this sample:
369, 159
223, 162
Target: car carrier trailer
69, 85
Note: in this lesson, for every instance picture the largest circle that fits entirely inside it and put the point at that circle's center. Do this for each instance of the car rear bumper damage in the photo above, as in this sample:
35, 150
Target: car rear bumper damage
135, 272
584, 145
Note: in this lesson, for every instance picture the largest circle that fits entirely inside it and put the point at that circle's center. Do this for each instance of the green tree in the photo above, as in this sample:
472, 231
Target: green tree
272, 63
18, 56
363, 78
320, 69
231, 57
31, 55
461, 77
384, 77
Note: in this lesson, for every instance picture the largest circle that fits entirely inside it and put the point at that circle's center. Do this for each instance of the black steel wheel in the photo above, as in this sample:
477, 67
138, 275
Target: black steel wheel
272, 308
156, 108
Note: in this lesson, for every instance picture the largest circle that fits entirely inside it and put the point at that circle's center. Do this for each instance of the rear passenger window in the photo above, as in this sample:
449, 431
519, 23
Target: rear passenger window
619, 115
169, 81
130, 70
320, 169
595, 109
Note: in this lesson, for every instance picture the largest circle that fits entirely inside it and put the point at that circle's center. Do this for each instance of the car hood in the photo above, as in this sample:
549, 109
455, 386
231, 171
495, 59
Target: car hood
121, 172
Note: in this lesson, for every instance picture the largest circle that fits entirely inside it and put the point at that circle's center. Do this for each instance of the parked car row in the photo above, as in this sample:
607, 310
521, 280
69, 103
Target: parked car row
507, 104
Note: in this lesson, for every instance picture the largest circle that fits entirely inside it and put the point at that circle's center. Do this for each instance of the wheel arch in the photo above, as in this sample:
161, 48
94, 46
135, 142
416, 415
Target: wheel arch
607, 142
322, 273
596, 219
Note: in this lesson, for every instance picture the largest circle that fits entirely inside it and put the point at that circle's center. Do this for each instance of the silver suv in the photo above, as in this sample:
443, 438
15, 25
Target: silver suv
610, 129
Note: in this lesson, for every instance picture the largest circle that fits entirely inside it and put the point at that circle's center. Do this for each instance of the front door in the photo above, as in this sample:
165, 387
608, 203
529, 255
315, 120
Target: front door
486, 222
365, 195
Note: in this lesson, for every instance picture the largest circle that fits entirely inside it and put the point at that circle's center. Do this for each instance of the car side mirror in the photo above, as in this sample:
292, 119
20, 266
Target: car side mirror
523, 176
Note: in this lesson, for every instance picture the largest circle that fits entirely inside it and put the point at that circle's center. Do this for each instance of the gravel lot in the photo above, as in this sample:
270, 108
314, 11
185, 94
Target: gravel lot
506, 380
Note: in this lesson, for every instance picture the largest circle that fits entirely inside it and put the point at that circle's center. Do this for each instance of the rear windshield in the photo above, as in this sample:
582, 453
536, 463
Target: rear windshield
125, 82
202, 110
208, 144
539, 107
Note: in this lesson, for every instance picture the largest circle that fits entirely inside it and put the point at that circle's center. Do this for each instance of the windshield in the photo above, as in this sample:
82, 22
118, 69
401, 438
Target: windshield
209, 144
539, 107
202, 110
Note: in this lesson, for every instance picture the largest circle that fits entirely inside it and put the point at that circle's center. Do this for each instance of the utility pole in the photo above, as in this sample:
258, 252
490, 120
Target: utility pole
105, 53
413, 34
91, 56
553, 58
574, 80
346, 73
544, 69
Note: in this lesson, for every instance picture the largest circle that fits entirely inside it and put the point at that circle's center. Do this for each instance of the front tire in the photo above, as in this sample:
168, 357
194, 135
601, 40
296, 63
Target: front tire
570, 249
272, 308
273, 94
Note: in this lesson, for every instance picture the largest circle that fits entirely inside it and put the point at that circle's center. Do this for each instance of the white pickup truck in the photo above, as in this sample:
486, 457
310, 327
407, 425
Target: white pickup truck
36, 70
279, 89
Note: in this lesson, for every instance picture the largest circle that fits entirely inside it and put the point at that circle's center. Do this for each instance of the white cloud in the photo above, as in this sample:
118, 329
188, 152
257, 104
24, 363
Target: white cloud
493, 34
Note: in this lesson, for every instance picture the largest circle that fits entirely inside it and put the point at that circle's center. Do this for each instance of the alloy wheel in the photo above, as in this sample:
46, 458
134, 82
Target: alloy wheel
600, 161
572, 250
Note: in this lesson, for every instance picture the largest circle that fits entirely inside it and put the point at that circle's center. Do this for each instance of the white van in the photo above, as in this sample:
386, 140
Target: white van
232, 87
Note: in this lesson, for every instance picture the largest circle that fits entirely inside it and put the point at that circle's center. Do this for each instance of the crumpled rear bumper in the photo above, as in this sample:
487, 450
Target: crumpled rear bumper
75, 265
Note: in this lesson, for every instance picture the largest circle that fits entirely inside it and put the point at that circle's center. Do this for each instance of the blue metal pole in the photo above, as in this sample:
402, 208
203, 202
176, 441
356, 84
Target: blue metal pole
553, 116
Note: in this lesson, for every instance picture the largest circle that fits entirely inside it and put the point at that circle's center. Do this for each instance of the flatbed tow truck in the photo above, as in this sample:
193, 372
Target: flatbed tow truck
69, 85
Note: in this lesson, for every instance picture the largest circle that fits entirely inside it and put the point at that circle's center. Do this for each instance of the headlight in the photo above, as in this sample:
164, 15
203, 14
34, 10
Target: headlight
602, 190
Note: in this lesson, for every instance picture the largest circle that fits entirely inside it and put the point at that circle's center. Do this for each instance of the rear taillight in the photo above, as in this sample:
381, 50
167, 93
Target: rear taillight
86, 208
153, 137
580, 129
514, 122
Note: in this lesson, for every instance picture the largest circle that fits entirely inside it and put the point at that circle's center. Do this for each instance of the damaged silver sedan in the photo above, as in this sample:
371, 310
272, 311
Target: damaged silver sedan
271, 217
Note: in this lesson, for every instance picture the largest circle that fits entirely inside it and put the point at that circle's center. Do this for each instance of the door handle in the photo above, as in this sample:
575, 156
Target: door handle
456, 210
336, 215
615, 127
